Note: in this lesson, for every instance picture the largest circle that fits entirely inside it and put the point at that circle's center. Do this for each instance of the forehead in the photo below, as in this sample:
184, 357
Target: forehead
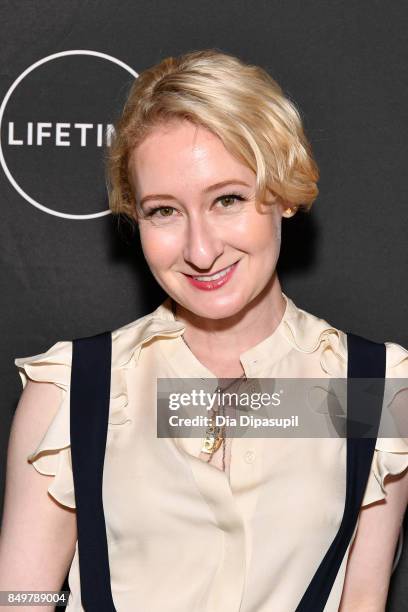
180, 152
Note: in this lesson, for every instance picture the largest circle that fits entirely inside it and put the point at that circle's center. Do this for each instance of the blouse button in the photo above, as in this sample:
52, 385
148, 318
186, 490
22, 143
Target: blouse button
249, 456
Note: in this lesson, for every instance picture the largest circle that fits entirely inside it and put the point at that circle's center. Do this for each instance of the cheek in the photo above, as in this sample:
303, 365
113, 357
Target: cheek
160, 247
259, 233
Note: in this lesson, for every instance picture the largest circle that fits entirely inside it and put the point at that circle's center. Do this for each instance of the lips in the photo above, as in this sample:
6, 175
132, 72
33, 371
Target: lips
210, 277
208, 283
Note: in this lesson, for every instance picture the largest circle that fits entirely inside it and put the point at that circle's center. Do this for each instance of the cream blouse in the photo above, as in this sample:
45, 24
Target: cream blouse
182, 535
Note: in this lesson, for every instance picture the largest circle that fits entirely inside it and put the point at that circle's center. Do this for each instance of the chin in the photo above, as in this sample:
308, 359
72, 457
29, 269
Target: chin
215, 309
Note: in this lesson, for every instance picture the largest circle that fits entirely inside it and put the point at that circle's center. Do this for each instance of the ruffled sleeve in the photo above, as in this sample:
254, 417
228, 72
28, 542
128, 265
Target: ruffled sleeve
391, 454
52, 456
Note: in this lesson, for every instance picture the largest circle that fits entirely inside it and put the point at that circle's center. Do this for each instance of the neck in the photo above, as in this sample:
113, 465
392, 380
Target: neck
225, 339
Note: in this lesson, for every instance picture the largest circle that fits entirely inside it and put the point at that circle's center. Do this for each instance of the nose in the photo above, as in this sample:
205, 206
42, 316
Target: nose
202, 243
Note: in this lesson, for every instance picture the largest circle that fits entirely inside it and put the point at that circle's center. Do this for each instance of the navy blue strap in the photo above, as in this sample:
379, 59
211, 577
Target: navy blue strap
366, 359
90, 395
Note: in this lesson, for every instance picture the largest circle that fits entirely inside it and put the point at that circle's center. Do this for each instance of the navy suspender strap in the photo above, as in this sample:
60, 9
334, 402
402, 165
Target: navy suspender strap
366, 359
90, 395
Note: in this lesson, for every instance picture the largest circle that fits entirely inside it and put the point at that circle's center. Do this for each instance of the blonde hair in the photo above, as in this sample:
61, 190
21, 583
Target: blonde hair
240, 103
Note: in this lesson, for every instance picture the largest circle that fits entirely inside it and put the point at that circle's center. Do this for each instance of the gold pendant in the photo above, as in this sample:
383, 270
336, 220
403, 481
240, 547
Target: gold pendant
211, 444
213, 439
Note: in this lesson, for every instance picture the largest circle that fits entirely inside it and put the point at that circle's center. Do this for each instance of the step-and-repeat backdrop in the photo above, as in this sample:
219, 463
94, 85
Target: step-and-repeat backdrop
68, 270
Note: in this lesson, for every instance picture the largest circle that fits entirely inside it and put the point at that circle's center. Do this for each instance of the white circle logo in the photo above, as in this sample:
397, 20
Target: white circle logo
58, 129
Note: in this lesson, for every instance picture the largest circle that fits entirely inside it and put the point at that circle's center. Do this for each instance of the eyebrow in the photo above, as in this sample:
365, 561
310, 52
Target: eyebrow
165, 196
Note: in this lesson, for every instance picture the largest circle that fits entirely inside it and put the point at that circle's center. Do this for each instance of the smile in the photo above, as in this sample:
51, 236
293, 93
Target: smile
213, 281
214, 276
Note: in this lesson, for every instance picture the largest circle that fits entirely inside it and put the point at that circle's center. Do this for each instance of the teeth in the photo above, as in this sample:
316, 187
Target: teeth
214, 276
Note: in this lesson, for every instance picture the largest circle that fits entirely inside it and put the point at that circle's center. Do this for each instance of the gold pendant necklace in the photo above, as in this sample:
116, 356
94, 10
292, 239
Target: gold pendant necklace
214, 435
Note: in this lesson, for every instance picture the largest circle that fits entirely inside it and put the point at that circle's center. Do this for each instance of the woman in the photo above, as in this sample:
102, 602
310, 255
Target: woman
208, 157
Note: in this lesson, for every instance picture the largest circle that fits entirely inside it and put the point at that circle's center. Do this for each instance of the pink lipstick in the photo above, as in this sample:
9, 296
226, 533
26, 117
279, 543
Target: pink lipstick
213, 281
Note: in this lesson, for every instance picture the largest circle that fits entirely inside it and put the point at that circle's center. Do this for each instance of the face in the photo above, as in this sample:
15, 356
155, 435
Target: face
206, 242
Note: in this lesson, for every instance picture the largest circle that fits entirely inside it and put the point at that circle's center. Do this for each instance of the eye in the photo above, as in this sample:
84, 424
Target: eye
163, 212
152, 212
230, 199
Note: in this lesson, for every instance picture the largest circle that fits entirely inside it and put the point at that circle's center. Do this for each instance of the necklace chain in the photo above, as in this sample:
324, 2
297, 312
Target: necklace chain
214, 435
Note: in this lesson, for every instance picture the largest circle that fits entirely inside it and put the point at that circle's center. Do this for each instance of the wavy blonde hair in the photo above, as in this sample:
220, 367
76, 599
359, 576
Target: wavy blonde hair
240, 103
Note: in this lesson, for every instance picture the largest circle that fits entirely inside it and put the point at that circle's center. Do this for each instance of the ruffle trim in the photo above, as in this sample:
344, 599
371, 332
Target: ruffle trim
52, 457
390, 454
309, 334
390, 458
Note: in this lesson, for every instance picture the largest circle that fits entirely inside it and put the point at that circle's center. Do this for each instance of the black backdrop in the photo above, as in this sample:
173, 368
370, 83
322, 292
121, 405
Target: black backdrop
66, 270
